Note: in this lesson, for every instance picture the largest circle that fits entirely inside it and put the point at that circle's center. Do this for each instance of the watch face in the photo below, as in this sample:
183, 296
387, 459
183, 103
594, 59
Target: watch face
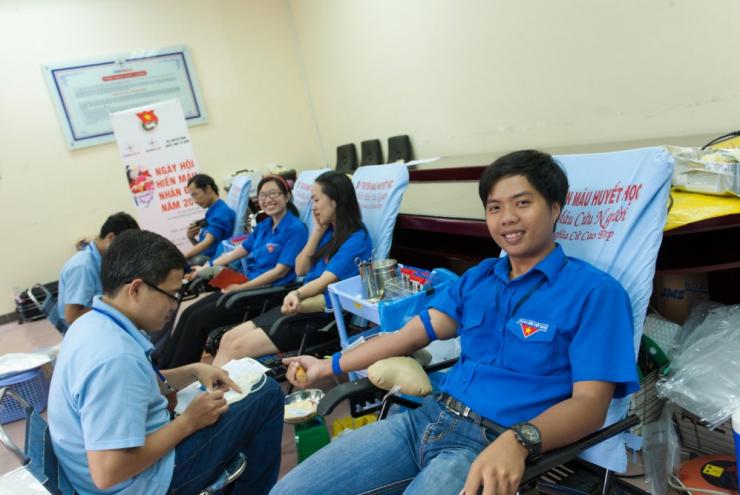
529, 433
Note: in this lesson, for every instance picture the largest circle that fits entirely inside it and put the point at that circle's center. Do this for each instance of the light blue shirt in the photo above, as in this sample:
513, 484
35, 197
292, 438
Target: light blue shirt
79, 280
104, 395
524, 342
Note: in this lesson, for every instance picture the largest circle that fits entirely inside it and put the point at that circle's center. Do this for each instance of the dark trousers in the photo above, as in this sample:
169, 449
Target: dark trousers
253, 426
186, 343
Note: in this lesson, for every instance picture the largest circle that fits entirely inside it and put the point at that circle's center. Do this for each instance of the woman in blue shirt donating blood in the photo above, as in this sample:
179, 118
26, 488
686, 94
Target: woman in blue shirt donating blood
337, 239
270, 250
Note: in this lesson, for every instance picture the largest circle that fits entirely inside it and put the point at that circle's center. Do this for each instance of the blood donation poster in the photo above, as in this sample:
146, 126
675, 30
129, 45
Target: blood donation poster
158, 161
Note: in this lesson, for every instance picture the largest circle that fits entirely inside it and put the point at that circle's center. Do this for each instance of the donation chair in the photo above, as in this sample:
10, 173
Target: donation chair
625, 194
48, 306
40, 471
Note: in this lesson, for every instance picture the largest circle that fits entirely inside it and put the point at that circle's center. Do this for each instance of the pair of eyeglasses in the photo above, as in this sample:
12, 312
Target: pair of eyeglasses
270, 194
177, 296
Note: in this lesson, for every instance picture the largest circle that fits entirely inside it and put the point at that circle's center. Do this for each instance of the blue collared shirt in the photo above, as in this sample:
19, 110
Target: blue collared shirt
342, 264
219, 223
576, 326
104, 395
268, 246
79, 280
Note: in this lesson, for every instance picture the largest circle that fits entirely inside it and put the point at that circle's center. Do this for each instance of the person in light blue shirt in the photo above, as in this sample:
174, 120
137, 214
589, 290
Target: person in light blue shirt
270, 250
108, 418
546, 343
218, 224
79, 279
337, 240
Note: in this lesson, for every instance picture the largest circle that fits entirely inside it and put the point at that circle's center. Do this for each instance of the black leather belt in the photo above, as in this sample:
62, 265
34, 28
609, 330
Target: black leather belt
459, 409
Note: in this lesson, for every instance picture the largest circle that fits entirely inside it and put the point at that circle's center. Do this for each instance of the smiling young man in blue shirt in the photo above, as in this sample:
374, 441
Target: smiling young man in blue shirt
546, 343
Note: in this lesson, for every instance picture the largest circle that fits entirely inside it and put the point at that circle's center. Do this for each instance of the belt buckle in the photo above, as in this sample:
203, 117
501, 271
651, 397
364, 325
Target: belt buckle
464, 413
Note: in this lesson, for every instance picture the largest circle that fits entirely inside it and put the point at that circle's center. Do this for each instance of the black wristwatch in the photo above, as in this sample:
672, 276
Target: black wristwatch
529, 436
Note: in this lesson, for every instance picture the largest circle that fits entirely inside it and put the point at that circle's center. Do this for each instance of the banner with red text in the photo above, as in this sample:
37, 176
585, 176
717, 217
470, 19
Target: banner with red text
158, 160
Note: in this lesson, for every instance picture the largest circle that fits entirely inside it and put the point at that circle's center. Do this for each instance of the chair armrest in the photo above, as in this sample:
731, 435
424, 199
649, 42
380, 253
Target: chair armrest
232, 298
5, 439
197, 285
442, 365
560, 456
341, 392
363, 386
301, 318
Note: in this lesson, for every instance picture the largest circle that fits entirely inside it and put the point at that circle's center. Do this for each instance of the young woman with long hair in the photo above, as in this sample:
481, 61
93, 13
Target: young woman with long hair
337, 240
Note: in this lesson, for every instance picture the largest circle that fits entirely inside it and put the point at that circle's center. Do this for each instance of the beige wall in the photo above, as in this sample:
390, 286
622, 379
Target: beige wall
245, 58
487, 76
461, 77
476, 76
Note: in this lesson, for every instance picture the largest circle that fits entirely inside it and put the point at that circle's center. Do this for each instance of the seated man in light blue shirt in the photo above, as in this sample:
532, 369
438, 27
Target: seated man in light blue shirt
79, 280
546, 342
108, 417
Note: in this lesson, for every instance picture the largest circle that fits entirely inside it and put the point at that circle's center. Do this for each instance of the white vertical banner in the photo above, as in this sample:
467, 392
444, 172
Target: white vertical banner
158, 161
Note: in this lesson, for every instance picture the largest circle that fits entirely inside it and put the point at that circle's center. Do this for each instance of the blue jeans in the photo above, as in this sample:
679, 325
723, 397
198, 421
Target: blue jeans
426, 450
253, 426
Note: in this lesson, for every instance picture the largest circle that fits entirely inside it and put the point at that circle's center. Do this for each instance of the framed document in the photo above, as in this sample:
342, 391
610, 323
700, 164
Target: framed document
87, 92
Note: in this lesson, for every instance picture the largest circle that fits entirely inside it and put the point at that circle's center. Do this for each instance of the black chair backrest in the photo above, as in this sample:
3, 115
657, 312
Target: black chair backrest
372, 153
399, 148
346, 158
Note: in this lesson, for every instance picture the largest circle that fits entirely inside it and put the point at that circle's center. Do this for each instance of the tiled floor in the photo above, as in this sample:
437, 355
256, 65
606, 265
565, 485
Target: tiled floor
39, 334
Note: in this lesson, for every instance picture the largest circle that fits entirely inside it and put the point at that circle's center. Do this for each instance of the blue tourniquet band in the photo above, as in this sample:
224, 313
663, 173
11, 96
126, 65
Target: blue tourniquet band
336, 368
426, 320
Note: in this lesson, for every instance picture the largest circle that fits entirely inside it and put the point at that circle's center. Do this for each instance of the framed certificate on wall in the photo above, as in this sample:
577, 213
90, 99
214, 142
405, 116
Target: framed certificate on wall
85, 93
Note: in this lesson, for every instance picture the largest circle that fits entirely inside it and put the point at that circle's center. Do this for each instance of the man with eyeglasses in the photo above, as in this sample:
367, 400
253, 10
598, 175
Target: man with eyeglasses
108, 417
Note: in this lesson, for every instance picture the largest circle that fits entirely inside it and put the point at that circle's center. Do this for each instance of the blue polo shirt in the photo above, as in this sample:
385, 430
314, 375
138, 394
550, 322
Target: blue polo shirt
219, 223
79, 280
104, 395
342, 264
268, 246
517, 360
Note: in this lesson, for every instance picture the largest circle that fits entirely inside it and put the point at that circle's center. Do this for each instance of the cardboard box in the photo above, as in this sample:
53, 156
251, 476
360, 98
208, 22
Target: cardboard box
696, 436
674, 295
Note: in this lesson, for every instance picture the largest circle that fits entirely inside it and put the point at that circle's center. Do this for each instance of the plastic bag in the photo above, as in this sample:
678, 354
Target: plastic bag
662, 451
706, 369
689, 207
686, 336
707, 171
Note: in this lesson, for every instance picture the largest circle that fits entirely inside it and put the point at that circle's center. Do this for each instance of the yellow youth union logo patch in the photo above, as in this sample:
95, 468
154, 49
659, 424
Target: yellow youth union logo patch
530, 327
